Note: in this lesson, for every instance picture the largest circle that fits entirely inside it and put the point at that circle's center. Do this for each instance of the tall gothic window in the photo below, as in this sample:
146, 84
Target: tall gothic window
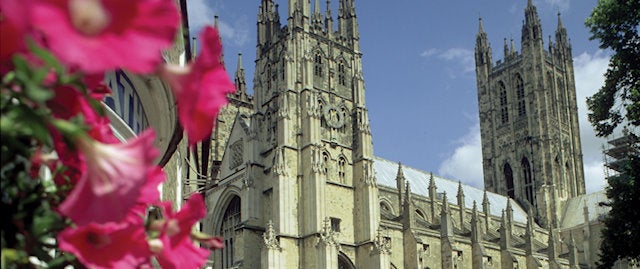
504, 107
522, 109
508, 178
552, 92
528, 181
342, 75
230, 221
318, 65
323, 120
236, 154
325, 163
562, 104
342, 163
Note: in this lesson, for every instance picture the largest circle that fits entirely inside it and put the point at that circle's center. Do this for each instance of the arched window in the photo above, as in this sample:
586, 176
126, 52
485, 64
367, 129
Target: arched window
552, 92
342, 74
569, 177
508, 178
268, 77
325, 162
421, 215
522, 109
230, 221
318, 65
386, 208
323, 120
528, 181
342, 163
504, 105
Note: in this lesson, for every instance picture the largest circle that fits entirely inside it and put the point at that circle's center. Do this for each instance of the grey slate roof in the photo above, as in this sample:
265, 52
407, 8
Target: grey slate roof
386, 172
573, 211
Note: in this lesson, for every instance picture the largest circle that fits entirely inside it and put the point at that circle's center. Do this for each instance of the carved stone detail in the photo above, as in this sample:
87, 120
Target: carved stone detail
280, 167
327, 236
271, 238
381, 243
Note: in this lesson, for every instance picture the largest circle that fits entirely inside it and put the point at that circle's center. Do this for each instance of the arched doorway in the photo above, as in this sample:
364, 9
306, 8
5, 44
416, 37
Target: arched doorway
344, 262
230, 220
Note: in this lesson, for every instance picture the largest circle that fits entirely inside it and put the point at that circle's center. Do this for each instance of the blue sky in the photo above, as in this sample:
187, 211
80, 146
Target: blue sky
419, 71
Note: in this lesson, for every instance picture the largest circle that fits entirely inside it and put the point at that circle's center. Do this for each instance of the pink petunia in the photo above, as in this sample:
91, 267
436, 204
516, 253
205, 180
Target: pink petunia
13, 29
109, 245
201, 89
178, 249
69, 102
100, 35
112, 182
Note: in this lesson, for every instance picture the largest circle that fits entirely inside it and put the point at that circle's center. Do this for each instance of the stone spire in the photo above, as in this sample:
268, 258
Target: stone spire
347, 23
507, 52
461, 204
432, 196
509, 213
561, 35
408, 208
216, 25
529, 234
531, 30
240, 82
505, 233
328, 19
483, 48
486, 209
446, 226
317, 16
476, 235
400, 183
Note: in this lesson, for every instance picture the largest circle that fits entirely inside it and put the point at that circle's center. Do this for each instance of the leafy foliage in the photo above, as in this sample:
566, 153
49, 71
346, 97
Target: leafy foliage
27, 200
616, 24
621, 234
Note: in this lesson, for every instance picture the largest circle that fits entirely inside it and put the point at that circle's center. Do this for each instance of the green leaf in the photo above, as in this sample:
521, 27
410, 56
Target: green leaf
48, 58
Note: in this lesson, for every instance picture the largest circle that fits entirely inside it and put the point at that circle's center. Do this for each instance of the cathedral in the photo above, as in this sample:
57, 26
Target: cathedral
296, 183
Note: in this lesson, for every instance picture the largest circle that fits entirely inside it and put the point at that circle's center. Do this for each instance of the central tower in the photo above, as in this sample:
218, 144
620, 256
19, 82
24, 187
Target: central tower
310, 145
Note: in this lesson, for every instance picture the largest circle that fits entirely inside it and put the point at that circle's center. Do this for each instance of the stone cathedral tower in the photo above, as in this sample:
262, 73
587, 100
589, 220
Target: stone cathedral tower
528, 120
297, 173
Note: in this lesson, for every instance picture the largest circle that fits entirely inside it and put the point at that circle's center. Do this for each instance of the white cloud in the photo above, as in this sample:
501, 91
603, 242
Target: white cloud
589, 70
463, 57
594, 176
429, 52
465, 164
201, 14
562, 5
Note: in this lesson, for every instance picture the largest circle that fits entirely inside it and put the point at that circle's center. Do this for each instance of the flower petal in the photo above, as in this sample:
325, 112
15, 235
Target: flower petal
136, 33
113, 180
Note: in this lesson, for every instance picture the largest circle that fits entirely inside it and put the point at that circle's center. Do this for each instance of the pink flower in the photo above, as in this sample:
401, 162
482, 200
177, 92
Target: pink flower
70, 102
101, 35
13, 27
200, 89
178, 250
109, 245
112, 182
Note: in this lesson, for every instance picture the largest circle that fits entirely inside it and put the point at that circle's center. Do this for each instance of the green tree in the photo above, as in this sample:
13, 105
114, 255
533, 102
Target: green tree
616, 24
621, 232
